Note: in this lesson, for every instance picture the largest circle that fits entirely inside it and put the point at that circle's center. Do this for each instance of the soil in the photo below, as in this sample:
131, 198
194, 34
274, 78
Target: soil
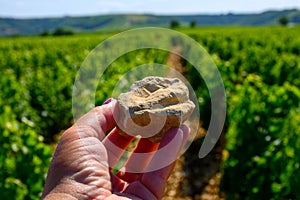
194, 178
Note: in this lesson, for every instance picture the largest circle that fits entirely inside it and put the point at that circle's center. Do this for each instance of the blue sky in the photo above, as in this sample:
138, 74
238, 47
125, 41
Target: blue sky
46, 8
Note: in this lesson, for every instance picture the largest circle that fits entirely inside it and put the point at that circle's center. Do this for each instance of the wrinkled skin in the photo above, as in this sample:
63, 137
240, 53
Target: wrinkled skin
80, 166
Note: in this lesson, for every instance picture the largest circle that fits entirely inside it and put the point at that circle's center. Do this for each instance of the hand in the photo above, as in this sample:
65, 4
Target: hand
81, 165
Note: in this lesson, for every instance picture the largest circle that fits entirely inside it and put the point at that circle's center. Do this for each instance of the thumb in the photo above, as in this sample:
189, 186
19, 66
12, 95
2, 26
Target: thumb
98, 121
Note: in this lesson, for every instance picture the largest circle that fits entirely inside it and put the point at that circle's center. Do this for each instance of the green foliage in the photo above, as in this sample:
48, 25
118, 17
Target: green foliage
193, 24
62, 31
125, 68
35, 104
174, 24
260, 68
24, 158
45, 33
262, 141
283, 20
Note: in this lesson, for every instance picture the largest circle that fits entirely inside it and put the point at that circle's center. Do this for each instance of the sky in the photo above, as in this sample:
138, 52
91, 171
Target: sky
58, 8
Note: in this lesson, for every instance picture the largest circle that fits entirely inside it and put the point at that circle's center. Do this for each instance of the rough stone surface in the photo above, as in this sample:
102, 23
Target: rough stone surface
153, 106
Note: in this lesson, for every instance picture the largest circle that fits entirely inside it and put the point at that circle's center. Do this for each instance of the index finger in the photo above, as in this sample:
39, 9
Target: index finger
155, 180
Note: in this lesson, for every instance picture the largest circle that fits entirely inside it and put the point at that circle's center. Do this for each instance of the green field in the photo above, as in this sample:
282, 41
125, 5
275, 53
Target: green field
260, 67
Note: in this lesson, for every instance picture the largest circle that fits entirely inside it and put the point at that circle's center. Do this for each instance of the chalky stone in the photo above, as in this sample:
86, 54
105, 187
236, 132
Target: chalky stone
153, 106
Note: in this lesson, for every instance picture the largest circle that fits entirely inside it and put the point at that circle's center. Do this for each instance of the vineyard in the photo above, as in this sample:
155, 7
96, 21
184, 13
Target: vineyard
260, 67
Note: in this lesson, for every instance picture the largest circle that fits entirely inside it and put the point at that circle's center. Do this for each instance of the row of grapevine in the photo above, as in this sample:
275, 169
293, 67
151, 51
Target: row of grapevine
35, 104
261, 69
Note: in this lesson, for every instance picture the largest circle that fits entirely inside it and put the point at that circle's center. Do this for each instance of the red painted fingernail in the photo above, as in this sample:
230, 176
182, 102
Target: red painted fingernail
107, 101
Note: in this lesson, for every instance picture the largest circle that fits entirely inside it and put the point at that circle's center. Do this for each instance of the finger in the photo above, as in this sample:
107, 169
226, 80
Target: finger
138, 160
115, 145
164, 161
118, 185
97, 122
169, 148
137, 189
186, 133
167, 151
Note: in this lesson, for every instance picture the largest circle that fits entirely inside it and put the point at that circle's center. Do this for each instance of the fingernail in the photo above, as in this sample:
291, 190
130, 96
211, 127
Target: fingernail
107, 101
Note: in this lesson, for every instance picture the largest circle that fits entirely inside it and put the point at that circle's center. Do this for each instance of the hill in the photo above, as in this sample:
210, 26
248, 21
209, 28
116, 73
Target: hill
12, 26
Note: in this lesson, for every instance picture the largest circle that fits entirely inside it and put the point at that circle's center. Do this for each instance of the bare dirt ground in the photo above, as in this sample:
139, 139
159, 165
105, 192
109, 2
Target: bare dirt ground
194, 178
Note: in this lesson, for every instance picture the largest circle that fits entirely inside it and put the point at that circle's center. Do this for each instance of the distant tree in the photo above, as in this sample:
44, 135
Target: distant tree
283, 20
45, 33
193, 24
174, 23
62, 31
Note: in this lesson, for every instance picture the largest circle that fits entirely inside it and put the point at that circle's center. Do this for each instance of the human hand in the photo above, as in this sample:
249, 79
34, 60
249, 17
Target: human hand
81, 165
